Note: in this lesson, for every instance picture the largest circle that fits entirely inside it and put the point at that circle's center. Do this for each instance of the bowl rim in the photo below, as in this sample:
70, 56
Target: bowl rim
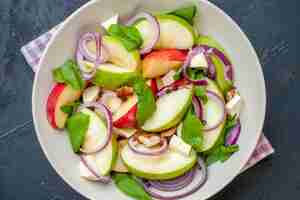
217, 9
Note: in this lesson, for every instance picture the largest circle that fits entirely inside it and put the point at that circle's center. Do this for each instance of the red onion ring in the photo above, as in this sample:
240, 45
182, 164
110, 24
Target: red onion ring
80, 60
198, 107
187, 62
155, 27
173, 86
174, 184
109, 125
199, 179
103, 179
148, 151
213, 96
229, 74
82, 46
233, 135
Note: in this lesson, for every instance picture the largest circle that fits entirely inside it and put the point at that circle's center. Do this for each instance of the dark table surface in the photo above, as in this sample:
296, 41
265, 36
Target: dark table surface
271, 25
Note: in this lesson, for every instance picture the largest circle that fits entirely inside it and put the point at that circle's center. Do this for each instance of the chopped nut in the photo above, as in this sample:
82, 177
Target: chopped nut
169, 133
231, 93
149, 140
125, 91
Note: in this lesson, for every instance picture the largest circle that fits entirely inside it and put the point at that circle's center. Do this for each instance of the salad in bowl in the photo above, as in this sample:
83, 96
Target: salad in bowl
148, 103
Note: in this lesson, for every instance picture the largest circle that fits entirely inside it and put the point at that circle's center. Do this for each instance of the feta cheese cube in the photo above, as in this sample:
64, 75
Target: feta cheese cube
177, 144
199, 61
91, 94
234, 105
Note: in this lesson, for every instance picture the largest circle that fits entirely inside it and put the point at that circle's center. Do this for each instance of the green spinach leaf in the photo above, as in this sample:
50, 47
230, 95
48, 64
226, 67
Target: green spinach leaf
146, 100
77, 126
130, 186
186, 13
70, 108
129, 35
192, 131
69, 73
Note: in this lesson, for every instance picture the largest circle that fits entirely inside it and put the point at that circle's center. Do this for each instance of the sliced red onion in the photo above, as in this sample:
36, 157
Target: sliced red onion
211, 68
82, 46
229, 74
195, 51
197, 107
155, 27
214, 97
174, 184
173, 86
198, 180
233, 135
141, 149
108, 115
86, 162
80, 62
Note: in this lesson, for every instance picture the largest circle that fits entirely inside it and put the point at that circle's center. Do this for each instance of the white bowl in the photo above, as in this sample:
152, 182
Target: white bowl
212, 21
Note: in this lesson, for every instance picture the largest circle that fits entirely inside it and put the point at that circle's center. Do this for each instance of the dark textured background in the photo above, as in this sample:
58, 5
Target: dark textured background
271, 25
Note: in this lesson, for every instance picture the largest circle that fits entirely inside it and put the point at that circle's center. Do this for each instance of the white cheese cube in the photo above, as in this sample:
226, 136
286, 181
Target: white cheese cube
91, 94
199, 61
177, 144
234, 106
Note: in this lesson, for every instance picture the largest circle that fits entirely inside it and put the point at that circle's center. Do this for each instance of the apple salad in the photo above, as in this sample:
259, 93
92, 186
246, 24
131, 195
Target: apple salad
148, 103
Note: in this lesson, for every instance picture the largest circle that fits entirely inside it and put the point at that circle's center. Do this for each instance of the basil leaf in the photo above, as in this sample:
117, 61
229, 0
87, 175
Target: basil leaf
69, 73
186, 13
70, 108
200, 91
129, 35
192, 130
222, 153
58, 76
146, 101
77, 126
130, 186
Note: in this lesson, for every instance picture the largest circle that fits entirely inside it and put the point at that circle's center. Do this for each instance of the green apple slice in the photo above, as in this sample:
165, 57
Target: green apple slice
174, 32
170, 109
96, 134
106, 158
111, 76
119, 55
209, 137
169, 165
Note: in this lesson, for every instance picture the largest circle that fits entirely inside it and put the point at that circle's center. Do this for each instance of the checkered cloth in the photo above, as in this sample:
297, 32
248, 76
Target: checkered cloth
34, 50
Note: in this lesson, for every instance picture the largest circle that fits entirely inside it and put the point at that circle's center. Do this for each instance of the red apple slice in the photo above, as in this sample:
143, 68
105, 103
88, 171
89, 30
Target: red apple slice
125, 117
60, 95
160, 62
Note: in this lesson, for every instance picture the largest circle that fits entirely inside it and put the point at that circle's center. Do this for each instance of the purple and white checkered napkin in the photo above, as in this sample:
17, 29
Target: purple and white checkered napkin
34, 50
